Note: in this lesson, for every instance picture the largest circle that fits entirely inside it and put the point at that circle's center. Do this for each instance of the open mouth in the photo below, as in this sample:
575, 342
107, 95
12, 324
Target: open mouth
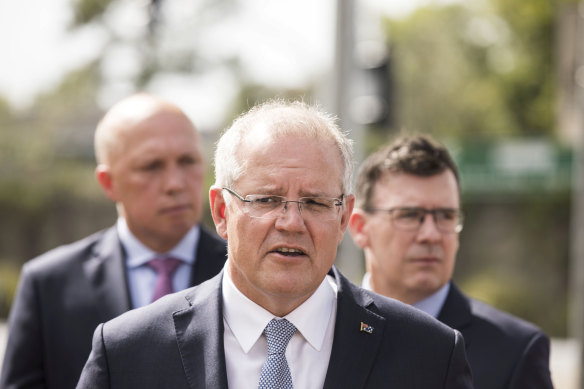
289, 252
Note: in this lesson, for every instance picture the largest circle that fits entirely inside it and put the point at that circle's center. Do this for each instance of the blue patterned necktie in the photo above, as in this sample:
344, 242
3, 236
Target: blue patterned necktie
275, 372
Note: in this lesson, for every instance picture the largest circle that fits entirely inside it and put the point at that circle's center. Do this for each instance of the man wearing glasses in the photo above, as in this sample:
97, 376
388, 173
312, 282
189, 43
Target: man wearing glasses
407, 219
280, 315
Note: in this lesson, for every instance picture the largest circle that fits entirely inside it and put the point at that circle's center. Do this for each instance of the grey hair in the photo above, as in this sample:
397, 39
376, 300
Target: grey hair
280, 117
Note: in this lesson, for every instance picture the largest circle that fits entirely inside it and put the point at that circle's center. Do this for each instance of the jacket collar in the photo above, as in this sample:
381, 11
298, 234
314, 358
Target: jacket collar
358, 329
457, 312
106, 273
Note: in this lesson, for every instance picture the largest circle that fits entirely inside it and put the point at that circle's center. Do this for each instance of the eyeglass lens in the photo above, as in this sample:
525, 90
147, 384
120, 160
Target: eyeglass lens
447, 220
270, 207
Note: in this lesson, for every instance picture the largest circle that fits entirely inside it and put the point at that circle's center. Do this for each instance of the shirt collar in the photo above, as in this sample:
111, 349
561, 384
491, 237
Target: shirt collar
247, 319
432, 304
138, 254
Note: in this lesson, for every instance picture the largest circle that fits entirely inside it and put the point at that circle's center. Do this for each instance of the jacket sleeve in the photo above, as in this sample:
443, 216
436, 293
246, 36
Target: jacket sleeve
459, 374
533, 370
95, 374
23, 358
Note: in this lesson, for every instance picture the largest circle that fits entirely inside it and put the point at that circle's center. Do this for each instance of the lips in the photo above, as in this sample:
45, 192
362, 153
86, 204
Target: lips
175, 209
426, 260
289, 251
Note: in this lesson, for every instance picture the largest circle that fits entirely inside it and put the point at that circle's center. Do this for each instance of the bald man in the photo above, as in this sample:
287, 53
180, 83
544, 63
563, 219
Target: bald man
150, 164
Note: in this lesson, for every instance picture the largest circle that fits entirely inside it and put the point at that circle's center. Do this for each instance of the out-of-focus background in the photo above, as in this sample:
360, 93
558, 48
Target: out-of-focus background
499, 81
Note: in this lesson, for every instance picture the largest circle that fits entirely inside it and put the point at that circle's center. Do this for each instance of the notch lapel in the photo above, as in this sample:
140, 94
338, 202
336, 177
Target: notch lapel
354, 347
107, 275
457, 313
199, 334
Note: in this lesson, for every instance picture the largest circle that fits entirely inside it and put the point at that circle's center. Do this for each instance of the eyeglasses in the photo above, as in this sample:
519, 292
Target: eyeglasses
271, 207
447, 220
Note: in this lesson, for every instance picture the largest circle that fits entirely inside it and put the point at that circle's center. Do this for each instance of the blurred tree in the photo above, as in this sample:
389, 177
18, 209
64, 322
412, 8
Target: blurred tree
478, 69
86, 11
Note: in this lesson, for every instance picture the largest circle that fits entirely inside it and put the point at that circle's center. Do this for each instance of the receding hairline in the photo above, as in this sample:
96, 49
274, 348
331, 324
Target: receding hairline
283, 118
128, 113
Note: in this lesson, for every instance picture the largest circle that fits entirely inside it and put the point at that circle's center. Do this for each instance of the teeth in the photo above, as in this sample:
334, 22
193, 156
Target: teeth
288, 250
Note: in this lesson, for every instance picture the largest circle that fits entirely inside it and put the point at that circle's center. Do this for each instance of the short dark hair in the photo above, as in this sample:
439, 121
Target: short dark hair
419, 155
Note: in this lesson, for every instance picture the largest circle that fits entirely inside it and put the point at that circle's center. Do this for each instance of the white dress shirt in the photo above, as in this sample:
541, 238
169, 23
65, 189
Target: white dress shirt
308, 352
141, 277
432, 304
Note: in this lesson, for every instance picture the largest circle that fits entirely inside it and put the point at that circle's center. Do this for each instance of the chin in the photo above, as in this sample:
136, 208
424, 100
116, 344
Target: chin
290, 285
429, 285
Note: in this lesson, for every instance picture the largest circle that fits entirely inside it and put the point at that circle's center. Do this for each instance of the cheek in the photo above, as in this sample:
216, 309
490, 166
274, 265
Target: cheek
452, 249
328, 240
384, 239
243, 234
196, 176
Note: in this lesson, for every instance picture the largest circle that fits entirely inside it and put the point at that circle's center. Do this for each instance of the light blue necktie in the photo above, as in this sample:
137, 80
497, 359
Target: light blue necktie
275, 372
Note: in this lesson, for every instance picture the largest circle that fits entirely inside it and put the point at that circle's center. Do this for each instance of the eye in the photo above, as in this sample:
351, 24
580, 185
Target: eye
264, 200
188, 160
408, 213
317, 202
446, 214
152, 166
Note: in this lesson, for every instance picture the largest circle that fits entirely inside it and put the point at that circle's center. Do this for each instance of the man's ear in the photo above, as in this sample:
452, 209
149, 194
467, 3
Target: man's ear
105, 180
357, 223
347, 210
218, 210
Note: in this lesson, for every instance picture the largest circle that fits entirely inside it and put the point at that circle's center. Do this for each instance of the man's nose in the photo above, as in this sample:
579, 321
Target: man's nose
291, 216
174, 179
429, 229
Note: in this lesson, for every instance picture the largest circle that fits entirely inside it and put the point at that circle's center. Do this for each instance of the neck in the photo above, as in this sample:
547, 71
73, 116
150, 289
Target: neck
278, 302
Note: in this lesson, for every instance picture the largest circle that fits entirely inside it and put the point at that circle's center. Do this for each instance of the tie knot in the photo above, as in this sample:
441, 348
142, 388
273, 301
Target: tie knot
164, 266
278, 333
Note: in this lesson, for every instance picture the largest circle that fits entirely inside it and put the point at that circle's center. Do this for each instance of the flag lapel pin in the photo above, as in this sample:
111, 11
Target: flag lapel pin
366, 328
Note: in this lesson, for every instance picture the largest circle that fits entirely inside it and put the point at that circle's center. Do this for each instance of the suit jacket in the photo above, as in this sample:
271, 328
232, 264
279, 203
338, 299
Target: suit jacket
63, 295
503, 350
177, 342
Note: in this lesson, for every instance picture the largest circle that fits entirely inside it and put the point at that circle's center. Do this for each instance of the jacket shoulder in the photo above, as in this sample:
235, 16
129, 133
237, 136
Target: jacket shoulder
62, 257
508, 326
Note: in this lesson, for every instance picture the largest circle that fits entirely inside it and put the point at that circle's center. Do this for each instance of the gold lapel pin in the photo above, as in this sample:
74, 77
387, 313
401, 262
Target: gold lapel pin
366, 328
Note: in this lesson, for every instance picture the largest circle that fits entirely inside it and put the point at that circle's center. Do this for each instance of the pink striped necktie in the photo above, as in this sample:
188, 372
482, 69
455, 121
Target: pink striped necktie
165, 269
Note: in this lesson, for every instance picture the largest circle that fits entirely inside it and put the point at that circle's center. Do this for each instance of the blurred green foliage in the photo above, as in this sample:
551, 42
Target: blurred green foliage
481, 69
86, 11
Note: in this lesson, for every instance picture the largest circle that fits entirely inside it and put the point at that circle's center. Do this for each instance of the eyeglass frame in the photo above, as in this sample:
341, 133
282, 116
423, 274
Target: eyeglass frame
338, 203
433, 212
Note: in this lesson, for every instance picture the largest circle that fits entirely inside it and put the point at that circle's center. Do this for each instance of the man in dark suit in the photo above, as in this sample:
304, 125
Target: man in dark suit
150, 164
407, 219
279, 315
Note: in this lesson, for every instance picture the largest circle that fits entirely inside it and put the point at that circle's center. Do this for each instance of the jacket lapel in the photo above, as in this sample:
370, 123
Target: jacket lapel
211, 254
358, 335
107, 274
457, 312
199, 334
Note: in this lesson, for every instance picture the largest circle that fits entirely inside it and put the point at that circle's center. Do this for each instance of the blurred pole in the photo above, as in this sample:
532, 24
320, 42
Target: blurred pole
350, 257
153, 16
576, 292
345, 72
